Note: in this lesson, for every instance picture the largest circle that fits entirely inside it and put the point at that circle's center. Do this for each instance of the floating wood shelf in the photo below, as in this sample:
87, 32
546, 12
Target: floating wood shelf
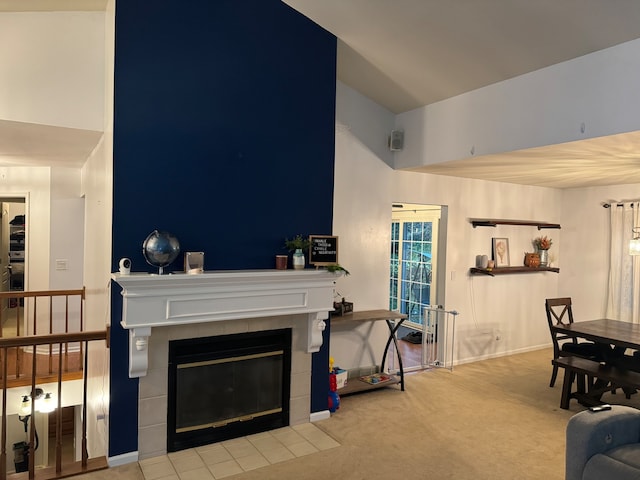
506, 270
492, 222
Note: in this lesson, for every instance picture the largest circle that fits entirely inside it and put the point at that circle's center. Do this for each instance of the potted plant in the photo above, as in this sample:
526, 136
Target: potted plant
543, 244
337, 268
297, 245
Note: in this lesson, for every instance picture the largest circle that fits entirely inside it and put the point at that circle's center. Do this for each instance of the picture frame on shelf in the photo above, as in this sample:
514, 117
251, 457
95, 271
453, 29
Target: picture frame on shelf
500, 251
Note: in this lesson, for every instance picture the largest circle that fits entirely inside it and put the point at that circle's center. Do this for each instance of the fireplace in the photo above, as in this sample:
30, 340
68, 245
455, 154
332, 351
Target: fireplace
227, 386
160, 309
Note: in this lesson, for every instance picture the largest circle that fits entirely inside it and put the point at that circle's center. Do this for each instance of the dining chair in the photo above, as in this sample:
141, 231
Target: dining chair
559, 312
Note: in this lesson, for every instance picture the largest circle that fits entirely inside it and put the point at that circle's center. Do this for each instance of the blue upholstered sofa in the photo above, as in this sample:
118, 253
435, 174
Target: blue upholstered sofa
604, 445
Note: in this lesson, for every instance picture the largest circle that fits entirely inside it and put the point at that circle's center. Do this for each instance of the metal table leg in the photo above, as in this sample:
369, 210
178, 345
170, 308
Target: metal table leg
393, 328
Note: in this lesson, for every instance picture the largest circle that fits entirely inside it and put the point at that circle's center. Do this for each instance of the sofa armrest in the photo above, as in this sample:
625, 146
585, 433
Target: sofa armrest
589, 433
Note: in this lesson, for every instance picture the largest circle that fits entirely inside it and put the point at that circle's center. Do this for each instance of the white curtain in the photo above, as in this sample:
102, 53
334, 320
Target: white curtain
623, 299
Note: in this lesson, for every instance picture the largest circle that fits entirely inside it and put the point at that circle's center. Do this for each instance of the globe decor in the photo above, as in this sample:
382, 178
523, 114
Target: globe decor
160, 249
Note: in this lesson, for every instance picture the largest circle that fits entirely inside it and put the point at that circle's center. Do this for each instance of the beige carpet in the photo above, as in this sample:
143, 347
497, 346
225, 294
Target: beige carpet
495, 419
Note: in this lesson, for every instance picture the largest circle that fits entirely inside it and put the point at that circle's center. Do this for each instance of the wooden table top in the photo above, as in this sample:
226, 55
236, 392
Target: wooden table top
369, 316
604, 330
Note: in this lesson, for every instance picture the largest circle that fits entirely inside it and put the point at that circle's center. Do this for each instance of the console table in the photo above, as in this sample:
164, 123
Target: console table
393, 320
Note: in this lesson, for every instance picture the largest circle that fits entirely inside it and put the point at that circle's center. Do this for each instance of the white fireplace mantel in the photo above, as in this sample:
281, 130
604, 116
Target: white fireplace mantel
152, 301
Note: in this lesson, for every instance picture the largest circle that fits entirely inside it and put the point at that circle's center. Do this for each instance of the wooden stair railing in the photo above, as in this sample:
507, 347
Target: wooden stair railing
38, 313
51, 323
59, 470
19, 296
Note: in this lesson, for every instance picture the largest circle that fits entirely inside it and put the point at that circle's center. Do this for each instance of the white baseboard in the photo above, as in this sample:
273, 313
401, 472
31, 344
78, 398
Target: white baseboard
317, 416
501, 354
123, 459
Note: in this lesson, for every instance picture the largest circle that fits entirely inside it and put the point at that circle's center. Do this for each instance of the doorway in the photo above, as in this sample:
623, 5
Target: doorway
416, 237
13, 257
68, 429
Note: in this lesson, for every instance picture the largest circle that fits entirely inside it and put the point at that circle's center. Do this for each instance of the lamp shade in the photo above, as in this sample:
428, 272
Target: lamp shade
43, 402
46, 404
25, 405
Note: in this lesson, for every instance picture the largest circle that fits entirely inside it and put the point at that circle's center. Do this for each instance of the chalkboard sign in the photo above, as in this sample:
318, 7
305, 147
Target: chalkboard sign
323, 250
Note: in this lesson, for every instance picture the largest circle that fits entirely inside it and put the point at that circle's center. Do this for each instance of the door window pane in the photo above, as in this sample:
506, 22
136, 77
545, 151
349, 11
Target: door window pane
412, 264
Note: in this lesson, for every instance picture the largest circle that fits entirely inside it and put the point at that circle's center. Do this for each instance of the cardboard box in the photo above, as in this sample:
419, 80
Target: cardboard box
341, 377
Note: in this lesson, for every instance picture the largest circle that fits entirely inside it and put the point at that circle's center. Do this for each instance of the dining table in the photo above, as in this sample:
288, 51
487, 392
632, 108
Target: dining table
619, 334
616, 338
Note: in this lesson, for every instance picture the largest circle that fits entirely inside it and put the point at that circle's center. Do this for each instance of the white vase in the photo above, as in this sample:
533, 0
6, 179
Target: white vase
298, 259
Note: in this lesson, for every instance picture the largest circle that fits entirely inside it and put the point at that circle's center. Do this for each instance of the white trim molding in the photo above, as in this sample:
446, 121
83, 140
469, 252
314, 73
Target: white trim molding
153, 301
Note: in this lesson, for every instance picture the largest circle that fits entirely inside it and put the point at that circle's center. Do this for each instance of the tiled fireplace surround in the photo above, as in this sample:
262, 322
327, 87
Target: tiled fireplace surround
161, 308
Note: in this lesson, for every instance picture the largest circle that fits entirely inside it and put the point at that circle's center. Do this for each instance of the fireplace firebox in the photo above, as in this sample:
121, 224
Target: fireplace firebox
227, 386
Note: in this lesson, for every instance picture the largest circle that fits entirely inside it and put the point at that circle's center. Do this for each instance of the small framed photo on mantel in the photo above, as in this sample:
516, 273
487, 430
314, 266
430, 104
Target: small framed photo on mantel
500, 251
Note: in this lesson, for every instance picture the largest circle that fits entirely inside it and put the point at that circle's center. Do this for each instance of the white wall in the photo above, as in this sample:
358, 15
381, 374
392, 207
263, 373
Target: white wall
585, 227
54, 227
67, 229
367, 121
362, 214
97, 266
541, 108
97, 186
55, 222
62, 83
510, 305
66, 245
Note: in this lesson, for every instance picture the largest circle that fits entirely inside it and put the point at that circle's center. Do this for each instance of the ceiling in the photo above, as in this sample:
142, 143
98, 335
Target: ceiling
34, 145
405, 54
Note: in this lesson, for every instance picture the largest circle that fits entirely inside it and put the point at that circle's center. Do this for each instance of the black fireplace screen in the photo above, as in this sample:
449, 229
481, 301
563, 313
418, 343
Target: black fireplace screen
243, 387
227, 386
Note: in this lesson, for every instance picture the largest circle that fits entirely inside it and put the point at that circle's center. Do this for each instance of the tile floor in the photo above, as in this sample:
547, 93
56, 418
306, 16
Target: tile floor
225, 459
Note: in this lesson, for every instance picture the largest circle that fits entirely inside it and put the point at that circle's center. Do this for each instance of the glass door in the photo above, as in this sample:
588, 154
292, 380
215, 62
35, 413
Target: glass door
414, 234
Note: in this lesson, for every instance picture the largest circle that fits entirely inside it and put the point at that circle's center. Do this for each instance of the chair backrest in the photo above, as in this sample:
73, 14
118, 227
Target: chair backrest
558, 312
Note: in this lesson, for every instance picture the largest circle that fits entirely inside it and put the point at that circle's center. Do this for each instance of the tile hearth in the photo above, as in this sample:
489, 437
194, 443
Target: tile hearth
232, 457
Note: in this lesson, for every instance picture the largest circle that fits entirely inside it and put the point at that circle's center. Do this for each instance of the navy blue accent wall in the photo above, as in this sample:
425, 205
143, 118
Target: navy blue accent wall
320, 369
223, 136
122, 418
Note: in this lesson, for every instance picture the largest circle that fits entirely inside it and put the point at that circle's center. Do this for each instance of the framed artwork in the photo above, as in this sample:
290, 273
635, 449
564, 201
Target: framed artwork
501, 251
